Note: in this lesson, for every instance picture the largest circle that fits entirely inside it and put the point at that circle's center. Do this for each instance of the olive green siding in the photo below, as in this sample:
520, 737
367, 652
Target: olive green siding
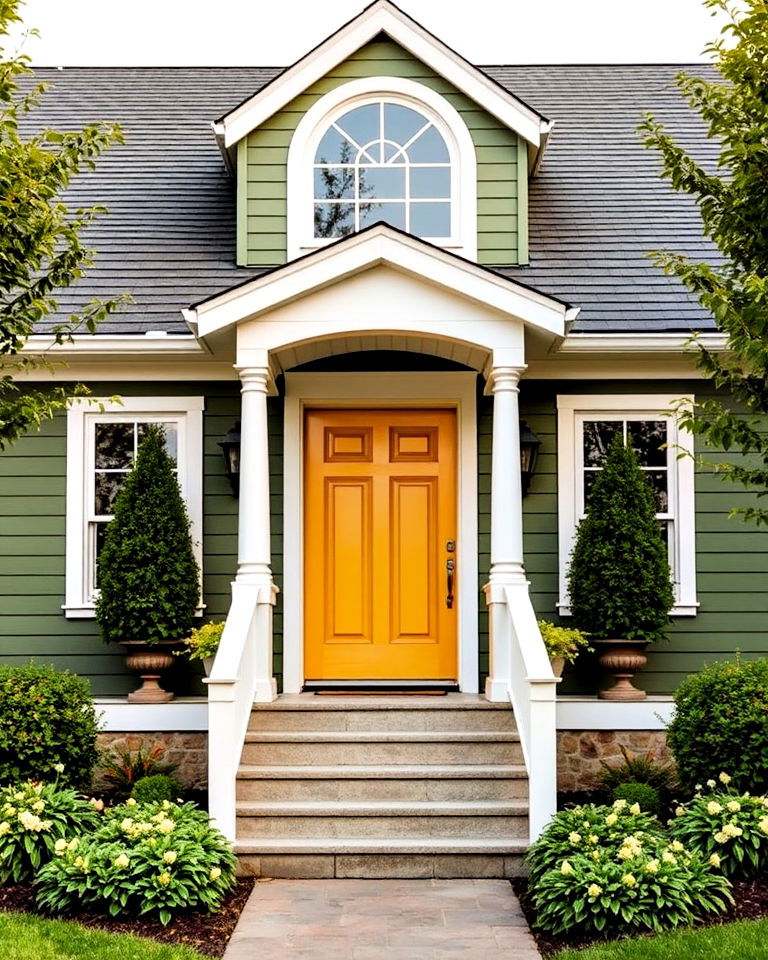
32, 557
262, 158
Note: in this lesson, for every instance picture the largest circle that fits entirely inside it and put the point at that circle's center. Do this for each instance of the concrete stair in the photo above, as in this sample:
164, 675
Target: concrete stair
363, 786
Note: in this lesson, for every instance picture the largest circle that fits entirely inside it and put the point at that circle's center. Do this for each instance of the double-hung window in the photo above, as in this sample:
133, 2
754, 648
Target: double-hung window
102, 441
586, 428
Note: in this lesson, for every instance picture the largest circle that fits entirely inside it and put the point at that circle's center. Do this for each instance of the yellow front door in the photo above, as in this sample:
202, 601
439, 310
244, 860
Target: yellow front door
380, 532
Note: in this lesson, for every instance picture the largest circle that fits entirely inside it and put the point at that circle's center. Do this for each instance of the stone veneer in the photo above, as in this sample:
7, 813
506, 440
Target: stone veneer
579, 753
188, 750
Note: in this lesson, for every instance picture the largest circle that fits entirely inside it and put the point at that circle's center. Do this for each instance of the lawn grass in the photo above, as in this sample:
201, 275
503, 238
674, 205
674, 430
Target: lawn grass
745, 940
24, 937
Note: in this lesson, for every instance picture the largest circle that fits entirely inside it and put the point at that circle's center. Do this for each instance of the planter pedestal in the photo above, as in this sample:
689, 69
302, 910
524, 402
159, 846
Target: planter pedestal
622, 659
149, 662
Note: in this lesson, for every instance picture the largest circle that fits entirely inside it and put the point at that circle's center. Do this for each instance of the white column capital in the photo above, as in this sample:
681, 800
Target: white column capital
254, 378
504, 377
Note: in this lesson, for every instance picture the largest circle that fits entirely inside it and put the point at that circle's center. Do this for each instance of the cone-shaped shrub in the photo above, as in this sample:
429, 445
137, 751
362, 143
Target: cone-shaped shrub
148, 575
619, 579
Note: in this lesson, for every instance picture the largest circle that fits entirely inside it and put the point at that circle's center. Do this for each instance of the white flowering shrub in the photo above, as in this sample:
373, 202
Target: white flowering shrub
599, 868
145, 859
33, 818
728, 828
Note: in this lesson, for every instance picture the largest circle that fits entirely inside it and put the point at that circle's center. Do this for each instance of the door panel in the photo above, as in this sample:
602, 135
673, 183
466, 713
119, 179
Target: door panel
379, 510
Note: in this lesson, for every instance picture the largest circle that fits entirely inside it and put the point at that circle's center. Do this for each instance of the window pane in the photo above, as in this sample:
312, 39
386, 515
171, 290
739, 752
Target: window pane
171, 437
432, 182
391, 151
335, 148
101, 533
107, 487
114, 446
362, 124
382, 183
334, 183
392, 213
431, 219
658, 480
401, 123
428, 148
334, 219
597, 439
589, 481
646, 437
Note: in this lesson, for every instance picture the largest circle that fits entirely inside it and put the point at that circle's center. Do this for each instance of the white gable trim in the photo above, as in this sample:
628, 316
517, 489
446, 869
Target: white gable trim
446, 118
382, 16
381, 245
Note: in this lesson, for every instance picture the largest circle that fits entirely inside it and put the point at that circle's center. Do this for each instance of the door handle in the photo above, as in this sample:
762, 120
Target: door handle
450, 567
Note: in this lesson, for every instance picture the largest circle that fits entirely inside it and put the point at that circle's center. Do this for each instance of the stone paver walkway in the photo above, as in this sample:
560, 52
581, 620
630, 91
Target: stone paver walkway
382, 920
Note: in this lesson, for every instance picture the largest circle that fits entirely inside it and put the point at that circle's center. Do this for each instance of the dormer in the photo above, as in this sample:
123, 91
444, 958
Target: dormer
382, 122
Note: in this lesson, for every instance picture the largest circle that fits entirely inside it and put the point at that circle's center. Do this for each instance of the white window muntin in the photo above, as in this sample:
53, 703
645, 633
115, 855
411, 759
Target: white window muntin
186, 413
573, 412
447, 120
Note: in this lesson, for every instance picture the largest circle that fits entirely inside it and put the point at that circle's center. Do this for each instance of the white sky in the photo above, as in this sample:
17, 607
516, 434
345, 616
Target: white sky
277, 32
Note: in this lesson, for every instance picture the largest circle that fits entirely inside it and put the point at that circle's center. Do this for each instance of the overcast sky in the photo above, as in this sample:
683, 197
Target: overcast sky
277, 32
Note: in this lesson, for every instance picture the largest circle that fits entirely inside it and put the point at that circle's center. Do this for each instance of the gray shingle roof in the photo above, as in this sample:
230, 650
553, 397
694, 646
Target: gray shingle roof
596, 207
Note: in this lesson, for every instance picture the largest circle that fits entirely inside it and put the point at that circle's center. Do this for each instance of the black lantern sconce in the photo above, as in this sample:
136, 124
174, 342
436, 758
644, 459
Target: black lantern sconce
230, 447
529, 452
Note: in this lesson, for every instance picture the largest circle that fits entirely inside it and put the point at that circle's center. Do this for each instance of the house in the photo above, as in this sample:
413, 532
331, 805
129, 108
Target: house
380, 261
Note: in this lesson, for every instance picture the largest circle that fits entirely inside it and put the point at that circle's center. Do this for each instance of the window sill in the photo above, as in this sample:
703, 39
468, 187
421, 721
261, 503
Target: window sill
679, 609
87, 611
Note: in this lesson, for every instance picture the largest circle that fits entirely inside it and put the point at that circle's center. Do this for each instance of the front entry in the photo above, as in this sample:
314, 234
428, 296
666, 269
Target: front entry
380, 520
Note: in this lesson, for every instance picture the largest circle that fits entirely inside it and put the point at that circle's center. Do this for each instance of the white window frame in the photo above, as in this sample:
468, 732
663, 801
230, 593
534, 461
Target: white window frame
315, 122
83, 413
572, 411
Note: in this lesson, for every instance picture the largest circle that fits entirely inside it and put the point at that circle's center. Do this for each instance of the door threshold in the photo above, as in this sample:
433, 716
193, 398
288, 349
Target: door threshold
381, 687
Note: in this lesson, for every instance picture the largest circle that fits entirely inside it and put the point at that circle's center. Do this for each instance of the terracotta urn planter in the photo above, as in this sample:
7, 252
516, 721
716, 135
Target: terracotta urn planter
558, 665
149, 661
622, 659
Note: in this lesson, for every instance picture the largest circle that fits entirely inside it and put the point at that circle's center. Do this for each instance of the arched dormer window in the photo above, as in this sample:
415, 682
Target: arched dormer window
382, 149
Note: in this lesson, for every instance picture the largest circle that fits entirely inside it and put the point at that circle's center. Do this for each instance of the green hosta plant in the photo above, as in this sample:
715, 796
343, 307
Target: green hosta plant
34, 819
727, 828
146, 859
646, 884
589, 830
565, 642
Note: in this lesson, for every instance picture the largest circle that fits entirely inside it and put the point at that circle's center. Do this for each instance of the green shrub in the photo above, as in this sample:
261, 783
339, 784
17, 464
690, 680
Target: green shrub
47, 718
638, 768
122, 769
565, 642
148, 575
203, 641
589, 828
721, 723
156, 788
727, 828
619, 579
34, 819
641, 793
146, 859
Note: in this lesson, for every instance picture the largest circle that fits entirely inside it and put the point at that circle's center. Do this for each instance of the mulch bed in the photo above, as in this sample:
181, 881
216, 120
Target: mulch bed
208, 933
751, 898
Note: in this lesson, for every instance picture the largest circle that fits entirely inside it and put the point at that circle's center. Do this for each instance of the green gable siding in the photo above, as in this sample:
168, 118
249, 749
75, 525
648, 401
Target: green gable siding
262, 158
32, 548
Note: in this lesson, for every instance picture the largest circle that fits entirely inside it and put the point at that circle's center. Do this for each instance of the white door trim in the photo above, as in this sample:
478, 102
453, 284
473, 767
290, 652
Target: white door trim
444, 389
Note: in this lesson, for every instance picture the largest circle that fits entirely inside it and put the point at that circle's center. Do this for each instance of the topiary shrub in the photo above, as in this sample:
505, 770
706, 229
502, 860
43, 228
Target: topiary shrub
156, 788
619, 578
643, 794
47, 720
148, 575
147, 859
720, 722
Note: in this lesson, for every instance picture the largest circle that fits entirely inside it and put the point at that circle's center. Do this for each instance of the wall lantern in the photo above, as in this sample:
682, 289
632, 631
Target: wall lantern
529, 452
230, 447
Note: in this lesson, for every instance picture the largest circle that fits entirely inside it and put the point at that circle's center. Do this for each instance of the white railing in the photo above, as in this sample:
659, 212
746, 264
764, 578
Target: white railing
241, 674
523, 675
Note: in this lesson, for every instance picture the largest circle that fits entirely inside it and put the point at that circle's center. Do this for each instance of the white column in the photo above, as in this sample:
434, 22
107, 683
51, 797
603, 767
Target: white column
253, 547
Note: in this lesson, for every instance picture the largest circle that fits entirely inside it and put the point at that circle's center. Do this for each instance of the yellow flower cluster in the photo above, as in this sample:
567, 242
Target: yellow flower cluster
593, 890
630, 848
629, 880
566, 868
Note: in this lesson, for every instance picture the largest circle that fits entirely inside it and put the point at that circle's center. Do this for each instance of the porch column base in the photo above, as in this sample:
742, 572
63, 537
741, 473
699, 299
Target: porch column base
496, 690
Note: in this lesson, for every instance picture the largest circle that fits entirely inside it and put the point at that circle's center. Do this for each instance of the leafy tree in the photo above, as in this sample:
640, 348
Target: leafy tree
619, 581
148, 575
733, 202
41, 246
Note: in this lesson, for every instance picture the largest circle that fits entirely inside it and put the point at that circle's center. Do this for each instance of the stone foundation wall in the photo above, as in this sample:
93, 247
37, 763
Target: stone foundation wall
579, 753
188, 750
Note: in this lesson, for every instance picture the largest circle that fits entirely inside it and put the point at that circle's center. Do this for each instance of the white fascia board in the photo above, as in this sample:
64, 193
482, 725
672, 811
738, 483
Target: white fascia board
179, 716
380, 246
383, 17
583, 343
589, 713
156, 343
